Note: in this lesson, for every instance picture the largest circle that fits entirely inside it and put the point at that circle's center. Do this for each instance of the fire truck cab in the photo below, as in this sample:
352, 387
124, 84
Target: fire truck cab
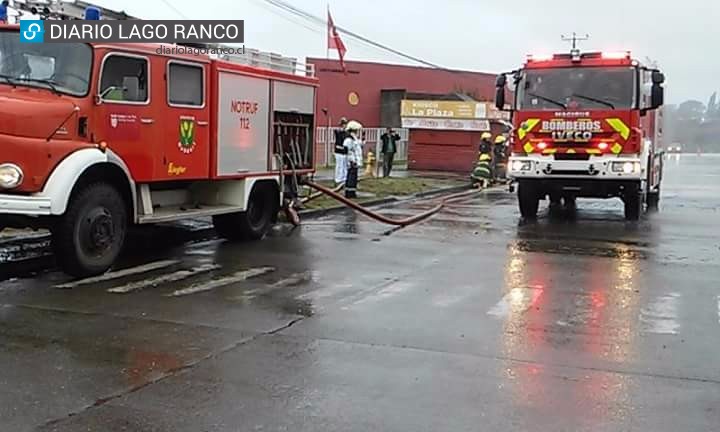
97, 137
585, 125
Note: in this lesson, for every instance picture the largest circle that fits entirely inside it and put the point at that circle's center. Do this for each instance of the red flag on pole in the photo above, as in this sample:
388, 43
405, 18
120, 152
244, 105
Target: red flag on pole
334, 41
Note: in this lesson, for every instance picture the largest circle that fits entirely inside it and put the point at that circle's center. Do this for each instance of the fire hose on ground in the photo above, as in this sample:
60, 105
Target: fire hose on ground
384, 219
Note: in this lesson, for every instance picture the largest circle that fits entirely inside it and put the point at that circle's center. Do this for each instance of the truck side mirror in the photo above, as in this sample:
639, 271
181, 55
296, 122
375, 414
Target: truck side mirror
500, 98
500, 91
657, 96
101, 97
658, 77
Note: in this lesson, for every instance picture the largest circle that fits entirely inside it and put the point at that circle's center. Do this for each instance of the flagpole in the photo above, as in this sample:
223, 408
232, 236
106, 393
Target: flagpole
327, 36
328, 144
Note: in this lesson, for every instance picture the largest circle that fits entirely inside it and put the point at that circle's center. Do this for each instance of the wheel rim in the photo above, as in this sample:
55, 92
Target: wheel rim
97, 232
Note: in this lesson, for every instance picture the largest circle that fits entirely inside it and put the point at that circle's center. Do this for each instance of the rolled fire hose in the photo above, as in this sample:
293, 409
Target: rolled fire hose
396, 222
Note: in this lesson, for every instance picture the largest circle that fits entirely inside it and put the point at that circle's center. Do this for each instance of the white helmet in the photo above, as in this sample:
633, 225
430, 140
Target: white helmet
353, 126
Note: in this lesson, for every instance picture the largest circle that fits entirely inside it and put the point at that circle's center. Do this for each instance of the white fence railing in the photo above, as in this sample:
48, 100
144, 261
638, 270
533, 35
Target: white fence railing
325, 153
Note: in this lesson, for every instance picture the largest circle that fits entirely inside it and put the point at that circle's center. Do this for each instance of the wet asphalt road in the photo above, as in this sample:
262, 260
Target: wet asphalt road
469, 321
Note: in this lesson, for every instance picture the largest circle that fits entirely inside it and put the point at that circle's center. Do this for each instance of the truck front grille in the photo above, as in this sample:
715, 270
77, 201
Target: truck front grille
572, 156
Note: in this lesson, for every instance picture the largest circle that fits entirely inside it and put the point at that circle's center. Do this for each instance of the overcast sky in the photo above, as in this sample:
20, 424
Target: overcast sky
481, 35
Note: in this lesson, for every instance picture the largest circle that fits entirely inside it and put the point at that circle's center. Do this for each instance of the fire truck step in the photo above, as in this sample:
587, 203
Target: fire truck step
171, 213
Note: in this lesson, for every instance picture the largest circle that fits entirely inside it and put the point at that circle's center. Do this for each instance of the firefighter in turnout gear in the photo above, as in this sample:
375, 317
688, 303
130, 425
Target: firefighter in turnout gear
485, 144
353, 146
481, 175
341, 153
499, 158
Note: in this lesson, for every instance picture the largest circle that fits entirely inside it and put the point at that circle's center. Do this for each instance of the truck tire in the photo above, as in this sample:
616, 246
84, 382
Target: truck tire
88, 238
528, 200
633, 206
255, 222
653, 201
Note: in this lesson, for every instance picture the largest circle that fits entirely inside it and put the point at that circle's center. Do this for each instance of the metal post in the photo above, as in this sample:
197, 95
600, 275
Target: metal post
327, 141
378, 146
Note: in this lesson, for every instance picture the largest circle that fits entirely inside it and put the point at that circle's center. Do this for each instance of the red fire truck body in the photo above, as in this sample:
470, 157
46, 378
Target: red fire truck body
96, 137
586, 125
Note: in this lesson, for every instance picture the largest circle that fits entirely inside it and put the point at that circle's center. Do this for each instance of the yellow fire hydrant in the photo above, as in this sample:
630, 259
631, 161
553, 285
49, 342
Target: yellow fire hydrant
369, 165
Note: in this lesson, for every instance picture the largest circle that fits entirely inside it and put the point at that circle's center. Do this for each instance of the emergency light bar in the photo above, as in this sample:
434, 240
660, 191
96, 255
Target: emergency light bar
616, 55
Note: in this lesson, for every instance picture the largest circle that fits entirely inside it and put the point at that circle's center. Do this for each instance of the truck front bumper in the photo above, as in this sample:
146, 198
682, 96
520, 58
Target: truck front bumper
596, 168
27, 205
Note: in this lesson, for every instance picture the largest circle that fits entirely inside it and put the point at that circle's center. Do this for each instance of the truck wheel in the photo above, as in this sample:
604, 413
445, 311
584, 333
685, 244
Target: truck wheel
633, 206
653, 201
253, 223
88, 238
529, 200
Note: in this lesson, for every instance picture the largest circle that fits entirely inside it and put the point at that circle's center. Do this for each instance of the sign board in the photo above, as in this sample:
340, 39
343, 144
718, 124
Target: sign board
446, 124
495, 114
443, 109
243, 125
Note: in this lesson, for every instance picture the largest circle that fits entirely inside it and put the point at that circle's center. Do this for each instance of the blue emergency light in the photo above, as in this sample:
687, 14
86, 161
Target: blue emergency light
3, 11
92, 13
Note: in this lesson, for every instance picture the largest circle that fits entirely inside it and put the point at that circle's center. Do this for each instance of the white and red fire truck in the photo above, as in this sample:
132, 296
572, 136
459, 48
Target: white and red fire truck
586, 125
97, 137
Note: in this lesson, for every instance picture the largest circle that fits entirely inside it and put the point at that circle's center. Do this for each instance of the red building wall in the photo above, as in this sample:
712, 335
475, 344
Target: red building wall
368, 79
437, 150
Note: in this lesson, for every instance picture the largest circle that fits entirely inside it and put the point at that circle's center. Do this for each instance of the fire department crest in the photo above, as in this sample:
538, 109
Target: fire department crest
186, 143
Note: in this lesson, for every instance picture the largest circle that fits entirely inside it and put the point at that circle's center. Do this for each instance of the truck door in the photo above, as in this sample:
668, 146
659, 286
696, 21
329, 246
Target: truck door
126, 119
186, 135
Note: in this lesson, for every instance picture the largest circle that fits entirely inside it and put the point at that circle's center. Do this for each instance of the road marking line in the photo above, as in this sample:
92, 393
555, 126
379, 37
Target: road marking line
294, 279
661, 315
171, 277
120, 273
517, 300
392, 290
217, 283
718, 308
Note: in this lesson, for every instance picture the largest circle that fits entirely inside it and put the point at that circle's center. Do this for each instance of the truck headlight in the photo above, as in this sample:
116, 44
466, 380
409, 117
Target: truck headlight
521, 165
10, 176
626, 167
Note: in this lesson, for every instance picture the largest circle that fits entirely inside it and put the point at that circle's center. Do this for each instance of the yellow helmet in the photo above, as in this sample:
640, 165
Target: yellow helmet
500, 139
486, 135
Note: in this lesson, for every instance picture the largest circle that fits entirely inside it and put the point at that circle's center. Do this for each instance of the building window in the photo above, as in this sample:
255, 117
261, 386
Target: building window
125, 79
186, 85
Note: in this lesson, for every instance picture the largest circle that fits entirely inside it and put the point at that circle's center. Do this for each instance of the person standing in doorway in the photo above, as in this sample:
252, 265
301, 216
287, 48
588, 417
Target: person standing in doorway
341, 153
354, 158
389, 147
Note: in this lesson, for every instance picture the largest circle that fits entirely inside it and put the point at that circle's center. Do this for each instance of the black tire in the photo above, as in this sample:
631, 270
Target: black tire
570, 202
88, 238
653, 201
633, 206
528, 200
256, 221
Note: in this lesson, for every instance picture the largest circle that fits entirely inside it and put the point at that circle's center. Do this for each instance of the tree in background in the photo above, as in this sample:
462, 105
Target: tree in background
713, 108
693, 125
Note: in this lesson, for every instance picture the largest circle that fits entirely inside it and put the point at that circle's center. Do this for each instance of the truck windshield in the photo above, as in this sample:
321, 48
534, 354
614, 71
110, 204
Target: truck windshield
60, 67
590, 88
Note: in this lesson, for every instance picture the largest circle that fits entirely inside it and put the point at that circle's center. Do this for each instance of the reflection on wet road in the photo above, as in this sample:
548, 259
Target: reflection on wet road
469, 321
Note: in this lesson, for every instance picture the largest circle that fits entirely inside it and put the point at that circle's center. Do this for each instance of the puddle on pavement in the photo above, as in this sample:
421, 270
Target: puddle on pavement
556, 247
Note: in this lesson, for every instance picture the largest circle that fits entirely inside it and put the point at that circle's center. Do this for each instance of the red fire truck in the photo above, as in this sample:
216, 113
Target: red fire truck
97, 137
585, 125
